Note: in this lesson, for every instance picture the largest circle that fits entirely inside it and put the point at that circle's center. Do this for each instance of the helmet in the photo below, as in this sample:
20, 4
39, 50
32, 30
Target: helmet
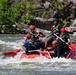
32, 27
27, 36
62, 30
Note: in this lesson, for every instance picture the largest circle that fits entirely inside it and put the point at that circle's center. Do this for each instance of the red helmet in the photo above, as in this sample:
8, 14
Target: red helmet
32, 27
62, 30
27, 36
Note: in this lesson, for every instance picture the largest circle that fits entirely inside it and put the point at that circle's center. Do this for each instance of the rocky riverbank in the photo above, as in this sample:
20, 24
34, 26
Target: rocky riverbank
42, 16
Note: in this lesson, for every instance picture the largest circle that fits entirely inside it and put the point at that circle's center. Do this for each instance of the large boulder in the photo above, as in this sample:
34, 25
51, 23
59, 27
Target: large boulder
47, 4
74, 34
72, 27
43, 23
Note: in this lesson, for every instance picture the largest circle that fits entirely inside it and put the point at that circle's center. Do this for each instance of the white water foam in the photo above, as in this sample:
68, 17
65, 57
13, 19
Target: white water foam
13, 45
48, 64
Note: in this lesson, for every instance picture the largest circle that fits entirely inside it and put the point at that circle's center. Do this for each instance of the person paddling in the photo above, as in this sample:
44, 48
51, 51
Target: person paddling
65, 36
65, 41
34, 33
31, 45
57, 48
27, 37
56, 27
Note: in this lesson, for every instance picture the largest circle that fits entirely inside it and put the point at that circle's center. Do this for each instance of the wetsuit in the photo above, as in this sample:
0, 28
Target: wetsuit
65, 37
58, 51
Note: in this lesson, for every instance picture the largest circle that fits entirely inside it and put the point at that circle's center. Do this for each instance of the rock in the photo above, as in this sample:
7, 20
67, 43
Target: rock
47, 5
43, 23
74, 34
71, 29
61, 0
74, 1
38, 7
74, 23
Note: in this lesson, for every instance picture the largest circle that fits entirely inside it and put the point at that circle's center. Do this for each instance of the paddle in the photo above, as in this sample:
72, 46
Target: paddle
12, 54
59, 38
71, 46
46, 54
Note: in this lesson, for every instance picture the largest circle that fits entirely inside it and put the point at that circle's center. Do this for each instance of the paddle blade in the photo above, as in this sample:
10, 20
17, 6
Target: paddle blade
72, 47
10, 54
46, 54
72, 54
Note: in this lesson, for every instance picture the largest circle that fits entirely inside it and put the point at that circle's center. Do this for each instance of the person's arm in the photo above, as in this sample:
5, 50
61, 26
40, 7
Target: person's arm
41, 34
68, 38
25, 39
24, 46
50, 49
69, 41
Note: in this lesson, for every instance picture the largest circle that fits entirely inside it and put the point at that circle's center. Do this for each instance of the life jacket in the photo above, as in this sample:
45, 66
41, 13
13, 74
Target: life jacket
55, 28
65, 37
34, 34
65, 46
32, 46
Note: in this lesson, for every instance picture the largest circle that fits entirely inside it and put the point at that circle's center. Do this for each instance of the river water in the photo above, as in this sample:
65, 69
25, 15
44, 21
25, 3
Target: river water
37, 66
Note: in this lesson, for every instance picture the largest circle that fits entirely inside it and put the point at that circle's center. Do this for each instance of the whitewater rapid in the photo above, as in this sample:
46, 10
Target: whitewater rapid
10, 43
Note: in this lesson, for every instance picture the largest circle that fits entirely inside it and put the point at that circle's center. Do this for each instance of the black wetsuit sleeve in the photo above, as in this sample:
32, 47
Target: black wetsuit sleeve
67, 36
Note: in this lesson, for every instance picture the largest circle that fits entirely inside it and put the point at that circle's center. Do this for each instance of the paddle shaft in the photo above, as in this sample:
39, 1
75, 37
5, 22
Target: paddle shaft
60, 38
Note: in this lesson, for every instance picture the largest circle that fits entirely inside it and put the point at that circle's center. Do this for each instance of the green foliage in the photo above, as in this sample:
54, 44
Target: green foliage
10, 13
57, 5
43, 15
63, 22
29, 8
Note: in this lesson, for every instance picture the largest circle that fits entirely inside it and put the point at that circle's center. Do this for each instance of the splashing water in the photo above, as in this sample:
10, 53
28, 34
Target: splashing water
12, 66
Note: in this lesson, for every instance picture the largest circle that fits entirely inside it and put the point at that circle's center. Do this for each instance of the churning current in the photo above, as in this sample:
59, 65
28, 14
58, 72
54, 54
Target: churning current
37, 66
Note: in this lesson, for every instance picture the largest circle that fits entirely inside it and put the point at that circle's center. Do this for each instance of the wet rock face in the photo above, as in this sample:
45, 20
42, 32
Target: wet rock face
47, 6
72, 27
74, 34
42, 6
45, 10
43, 23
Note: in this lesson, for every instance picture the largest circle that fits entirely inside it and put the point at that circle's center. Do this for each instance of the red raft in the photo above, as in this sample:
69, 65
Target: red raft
28, 56
71, 54
31, 56
44, 53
